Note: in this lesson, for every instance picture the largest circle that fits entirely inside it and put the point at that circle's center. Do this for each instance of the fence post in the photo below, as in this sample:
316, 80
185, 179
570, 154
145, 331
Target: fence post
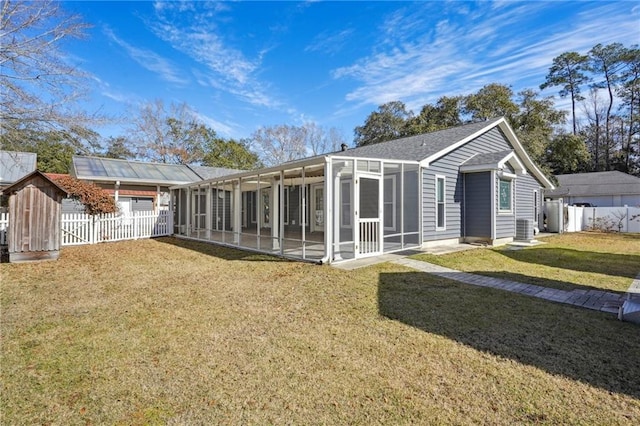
93, 235
627, 216
135, 225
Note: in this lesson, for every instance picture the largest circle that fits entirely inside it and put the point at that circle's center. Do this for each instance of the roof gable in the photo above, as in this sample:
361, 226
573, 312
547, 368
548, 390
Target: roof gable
16, 186
428, 147
418, 147
493, 161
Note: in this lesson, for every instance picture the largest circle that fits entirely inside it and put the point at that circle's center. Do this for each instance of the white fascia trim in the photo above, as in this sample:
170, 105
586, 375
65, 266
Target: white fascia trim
478, 168
508, 131
515, 163
507, 175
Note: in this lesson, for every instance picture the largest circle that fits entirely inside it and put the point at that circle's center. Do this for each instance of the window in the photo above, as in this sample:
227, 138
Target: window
504, 202
440, 203
345, 202
536, 207
286, 205
389, 203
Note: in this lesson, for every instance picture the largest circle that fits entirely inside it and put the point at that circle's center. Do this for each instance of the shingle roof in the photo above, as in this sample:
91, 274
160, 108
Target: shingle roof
596, 183
419, 147
15, 165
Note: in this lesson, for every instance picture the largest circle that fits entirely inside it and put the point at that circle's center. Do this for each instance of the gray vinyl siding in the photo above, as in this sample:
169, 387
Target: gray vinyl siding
478, 197
505, 222
141, 204
525, 187
448, 166
71, 205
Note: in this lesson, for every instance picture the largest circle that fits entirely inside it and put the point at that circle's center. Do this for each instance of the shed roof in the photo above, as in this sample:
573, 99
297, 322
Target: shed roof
15, 165
109, 169
595, 184
36, 173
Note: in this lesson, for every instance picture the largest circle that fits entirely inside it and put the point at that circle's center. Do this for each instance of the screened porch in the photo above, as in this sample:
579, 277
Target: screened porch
365, 207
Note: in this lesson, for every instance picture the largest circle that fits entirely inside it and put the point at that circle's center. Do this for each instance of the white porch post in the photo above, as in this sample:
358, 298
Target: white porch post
258, 208
209, 202
274, 205
281, 208
356, 210
188, 213
336, 218
237, 212
156, 208
303, 218
116, 190
328, 208
224, 213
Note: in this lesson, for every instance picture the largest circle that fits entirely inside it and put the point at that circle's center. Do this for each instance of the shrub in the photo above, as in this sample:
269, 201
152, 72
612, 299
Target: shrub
94, 198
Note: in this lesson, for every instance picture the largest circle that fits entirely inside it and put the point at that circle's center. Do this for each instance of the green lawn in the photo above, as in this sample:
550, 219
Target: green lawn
174, 332
567, 261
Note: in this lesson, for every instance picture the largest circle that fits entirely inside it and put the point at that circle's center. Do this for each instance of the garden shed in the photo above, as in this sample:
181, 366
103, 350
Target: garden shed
34, 218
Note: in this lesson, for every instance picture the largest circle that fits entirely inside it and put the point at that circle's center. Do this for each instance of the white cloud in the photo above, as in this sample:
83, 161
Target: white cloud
220, 127
225, 68
149, 60
328, 43
417, 60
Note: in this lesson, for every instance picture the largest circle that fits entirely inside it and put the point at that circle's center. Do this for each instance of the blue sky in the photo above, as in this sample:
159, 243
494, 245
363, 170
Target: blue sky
242, 65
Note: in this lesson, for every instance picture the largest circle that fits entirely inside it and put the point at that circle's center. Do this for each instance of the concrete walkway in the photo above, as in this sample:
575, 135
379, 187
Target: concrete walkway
591, 299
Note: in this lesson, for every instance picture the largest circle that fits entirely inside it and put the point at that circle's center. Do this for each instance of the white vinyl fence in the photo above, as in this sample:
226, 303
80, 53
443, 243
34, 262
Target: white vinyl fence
81, 228
616, 219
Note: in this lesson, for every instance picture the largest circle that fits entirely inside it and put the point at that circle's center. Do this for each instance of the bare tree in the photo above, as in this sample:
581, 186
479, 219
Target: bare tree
38, 85
321, 140
281, 143
169, 135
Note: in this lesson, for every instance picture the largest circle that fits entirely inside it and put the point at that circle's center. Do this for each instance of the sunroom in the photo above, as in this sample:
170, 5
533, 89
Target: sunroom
323, 209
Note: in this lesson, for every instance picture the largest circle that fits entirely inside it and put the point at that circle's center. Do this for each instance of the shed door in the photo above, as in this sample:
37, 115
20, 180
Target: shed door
368, 216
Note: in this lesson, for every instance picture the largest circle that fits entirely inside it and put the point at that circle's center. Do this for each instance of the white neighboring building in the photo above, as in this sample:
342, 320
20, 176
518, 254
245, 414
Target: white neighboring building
597, 189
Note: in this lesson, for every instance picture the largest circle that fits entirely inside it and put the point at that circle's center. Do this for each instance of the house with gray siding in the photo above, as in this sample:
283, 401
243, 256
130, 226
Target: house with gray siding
598, 189
465, 184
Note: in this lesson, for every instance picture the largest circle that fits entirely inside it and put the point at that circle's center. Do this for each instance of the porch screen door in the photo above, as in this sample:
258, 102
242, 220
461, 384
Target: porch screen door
368, 241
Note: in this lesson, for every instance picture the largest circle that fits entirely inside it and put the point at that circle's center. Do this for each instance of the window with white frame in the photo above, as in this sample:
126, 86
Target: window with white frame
440, 203
505, 198
345, 203
536, 207
389, 202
